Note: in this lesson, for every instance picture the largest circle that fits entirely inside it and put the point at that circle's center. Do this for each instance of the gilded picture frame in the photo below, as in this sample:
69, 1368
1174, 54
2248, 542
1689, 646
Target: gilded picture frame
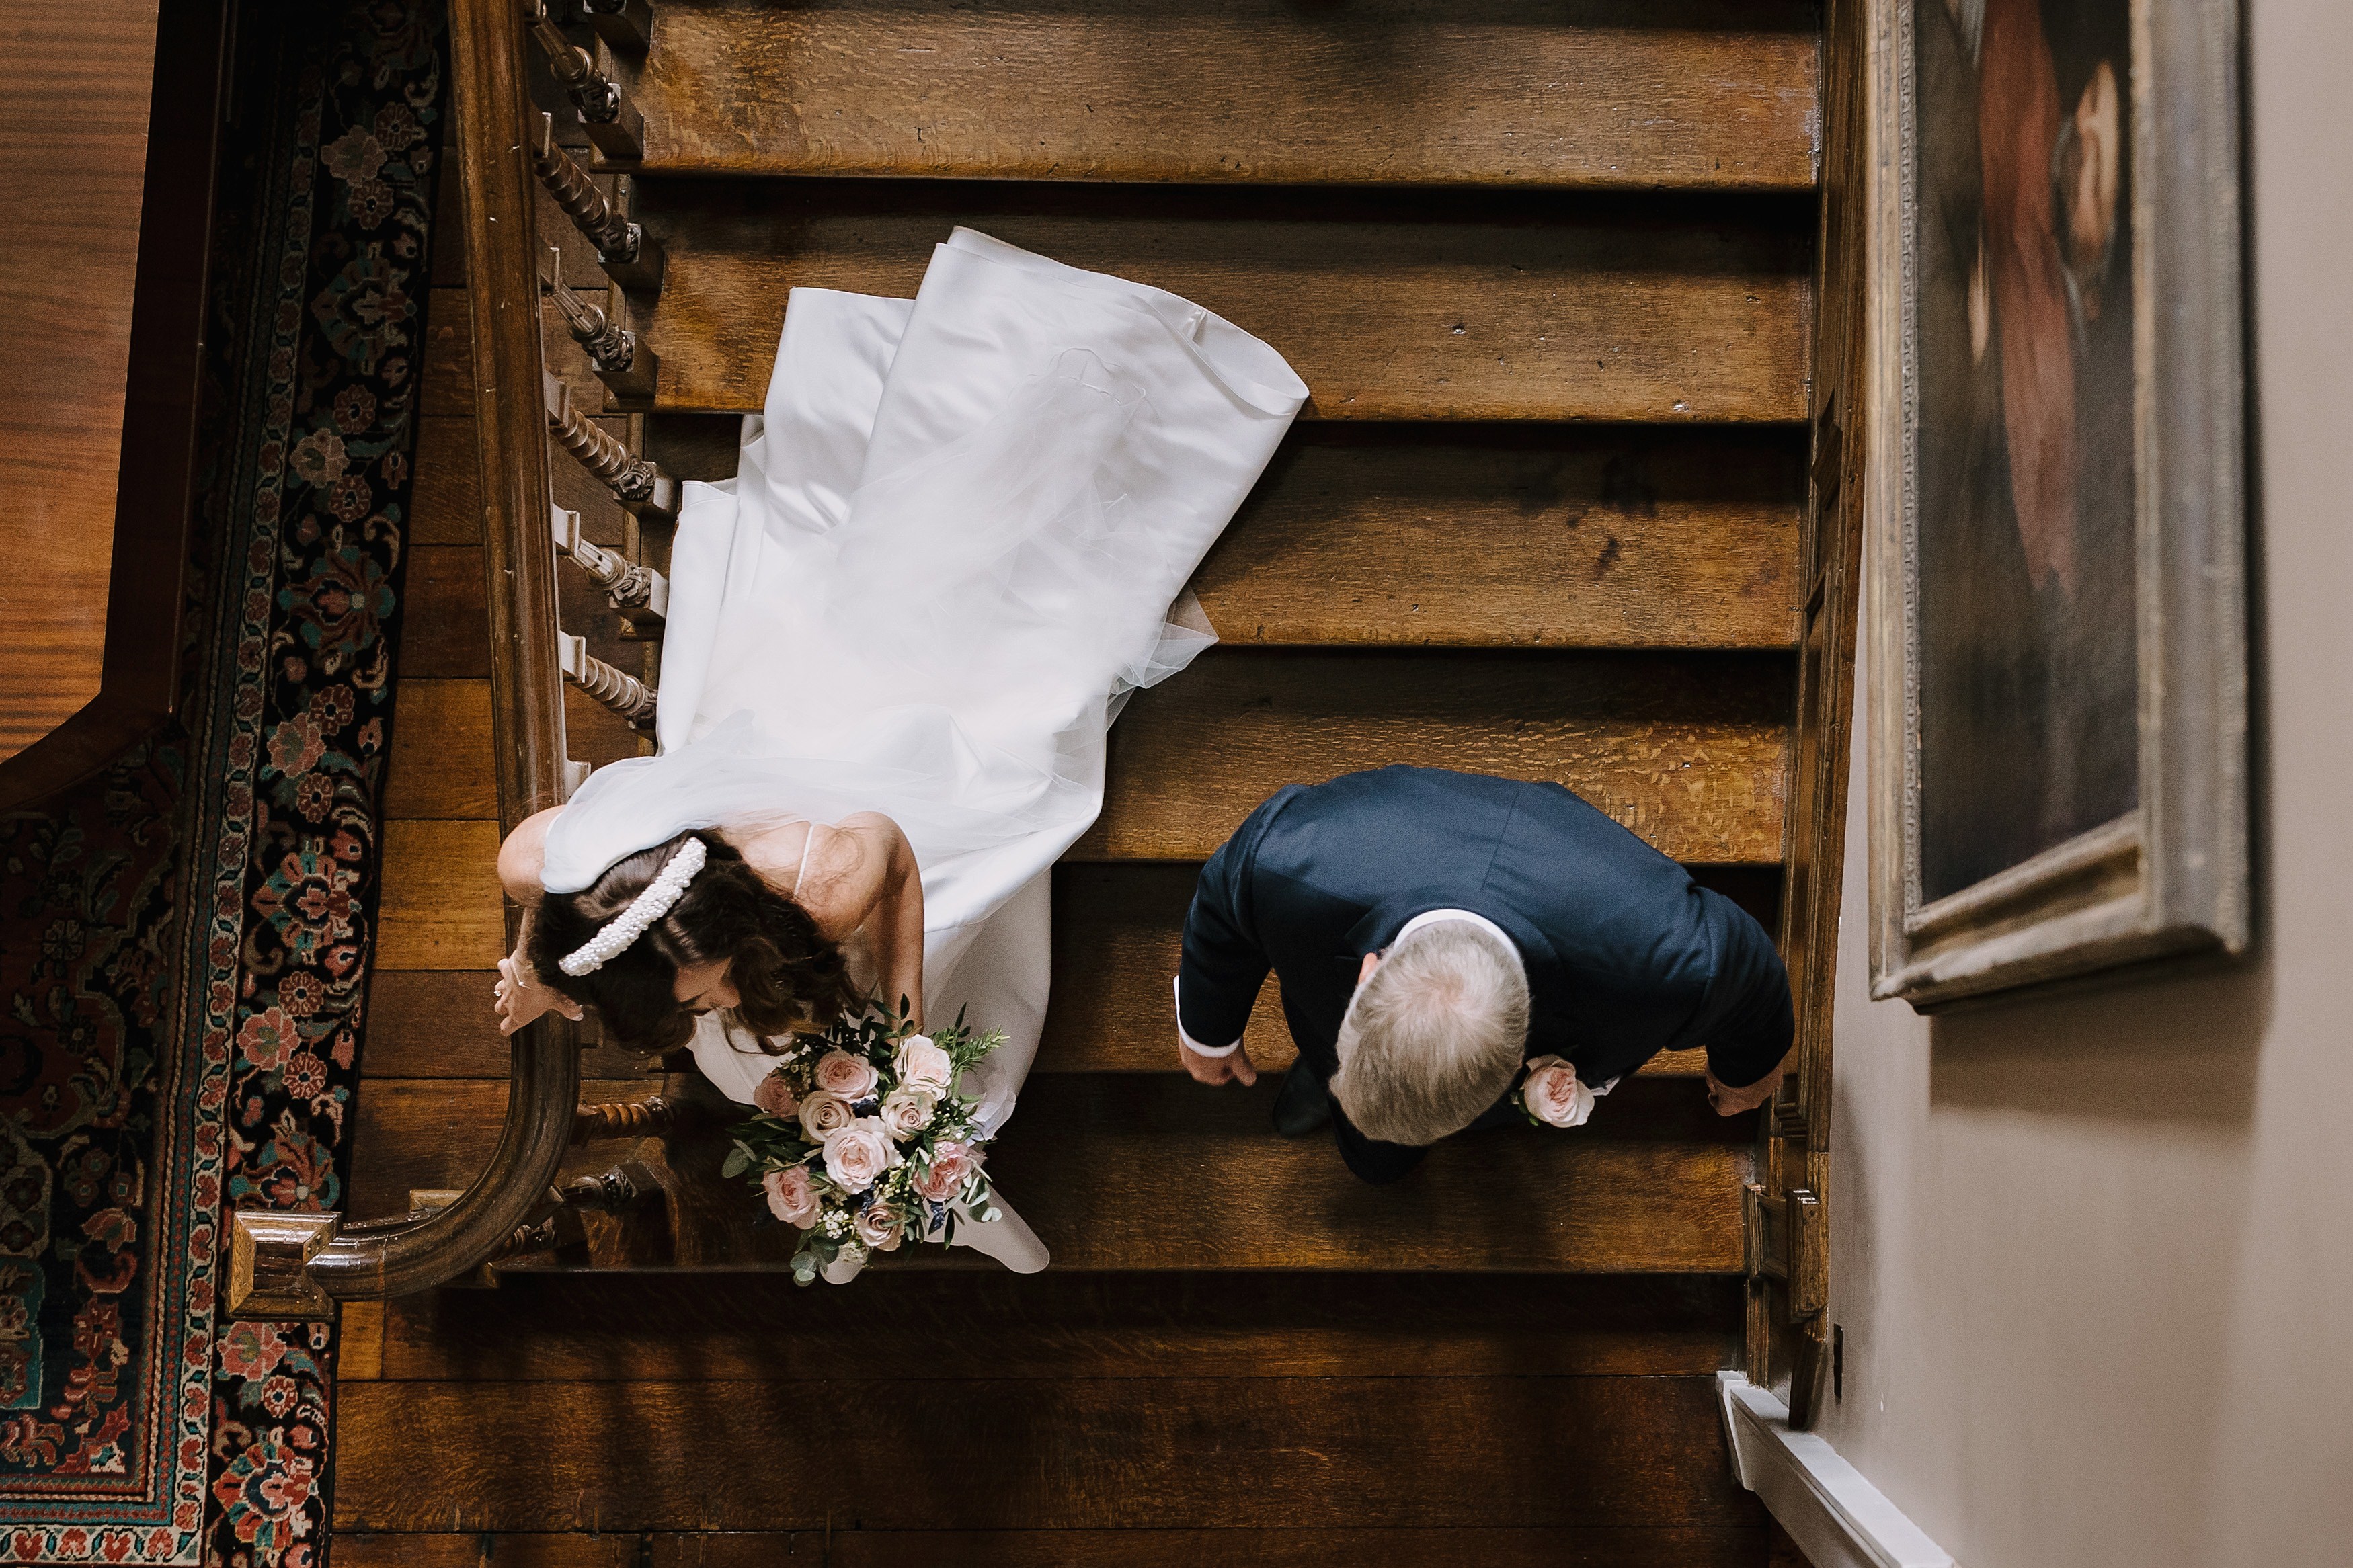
2056, 616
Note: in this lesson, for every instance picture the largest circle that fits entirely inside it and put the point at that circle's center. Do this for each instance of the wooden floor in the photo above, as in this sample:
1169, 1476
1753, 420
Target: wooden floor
1546, 270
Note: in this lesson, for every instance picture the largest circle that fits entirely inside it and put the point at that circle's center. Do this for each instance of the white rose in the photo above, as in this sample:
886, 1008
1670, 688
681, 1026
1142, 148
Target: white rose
1553, 1095
906, 1112
923, 1064
856, 1155
825, 1112
852, 1077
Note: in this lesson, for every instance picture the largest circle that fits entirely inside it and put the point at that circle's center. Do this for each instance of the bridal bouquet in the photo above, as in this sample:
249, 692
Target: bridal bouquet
862, 1141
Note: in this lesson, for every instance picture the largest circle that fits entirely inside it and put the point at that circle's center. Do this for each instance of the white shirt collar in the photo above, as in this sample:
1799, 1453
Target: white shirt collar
1431, 917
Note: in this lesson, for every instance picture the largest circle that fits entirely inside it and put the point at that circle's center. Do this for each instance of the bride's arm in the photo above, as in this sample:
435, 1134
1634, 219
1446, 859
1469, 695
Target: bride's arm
520, 996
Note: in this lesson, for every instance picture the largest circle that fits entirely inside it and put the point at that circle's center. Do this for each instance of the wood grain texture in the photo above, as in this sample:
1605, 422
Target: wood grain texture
1510, 537
446, 384
1438, 306
1130, 1171
1118, 932
445, 617
1337, 1452
73, 159
461, 1120
439, 1023
440, 764
442, 906
647, 1328
446, 505
523, 1550
1402, 92
1685, 750
1608, 1546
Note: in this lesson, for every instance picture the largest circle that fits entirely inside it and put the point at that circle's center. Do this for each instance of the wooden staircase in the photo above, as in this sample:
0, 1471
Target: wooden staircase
1549, 270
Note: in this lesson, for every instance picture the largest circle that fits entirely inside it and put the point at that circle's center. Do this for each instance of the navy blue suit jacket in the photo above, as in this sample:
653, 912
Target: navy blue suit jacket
1625, 955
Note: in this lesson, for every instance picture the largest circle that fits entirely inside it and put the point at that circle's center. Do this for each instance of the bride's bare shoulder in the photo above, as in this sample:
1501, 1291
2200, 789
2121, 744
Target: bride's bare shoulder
839, 878
773, 850
520, 857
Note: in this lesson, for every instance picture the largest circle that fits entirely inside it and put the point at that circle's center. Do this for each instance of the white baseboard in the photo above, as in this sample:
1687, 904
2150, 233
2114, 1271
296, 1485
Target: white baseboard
1836, 1517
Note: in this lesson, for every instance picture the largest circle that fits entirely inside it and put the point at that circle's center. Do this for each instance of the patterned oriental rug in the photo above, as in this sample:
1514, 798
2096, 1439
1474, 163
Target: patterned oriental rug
183, 941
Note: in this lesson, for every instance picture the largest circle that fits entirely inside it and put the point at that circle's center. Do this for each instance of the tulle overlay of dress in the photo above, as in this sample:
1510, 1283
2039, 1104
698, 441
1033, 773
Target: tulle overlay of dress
958, 536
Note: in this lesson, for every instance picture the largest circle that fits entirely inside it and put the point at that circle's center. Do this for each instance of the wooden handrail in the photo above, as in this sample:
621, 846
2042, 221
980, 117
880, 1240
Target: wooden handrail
299, 1265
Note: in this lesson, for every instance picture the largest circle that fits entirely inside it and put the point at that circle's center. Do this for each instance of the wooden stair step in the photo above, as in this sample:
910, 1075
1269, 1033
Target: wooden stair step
665, 1327
442, 905
1034, 1453
1448, 535
1136, 1172
1468, 1546
1118, 929
1328, 1453
1686, 750
1430, 306
1710, 93
1497, 537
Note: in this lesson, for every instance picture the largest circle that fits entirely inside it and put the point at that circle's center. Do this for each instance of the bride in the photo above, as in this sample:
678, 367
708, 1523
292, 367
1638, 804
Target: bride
956, 540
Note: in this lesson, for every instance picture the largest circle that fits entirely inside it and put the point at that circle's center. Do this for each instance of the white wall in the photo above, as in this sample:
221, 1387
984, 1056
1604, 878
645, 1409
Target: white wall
2094, 1256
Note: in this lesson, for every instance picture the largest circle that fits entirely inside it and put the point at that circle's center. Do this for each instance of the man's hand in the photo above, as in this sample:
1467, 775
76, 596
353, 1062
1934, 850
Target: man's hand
1733, 1102
1234, 1066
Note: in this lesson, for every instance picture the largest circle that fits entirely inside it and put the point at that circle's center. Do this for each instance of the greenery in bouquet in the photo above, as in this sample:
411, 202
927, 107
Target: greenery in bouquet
862, 1140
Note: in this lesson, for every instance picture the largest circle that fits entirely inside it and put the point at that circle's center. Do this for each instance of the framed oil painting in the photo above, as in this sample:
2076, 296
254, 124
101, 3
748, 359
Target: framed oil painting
2056, 617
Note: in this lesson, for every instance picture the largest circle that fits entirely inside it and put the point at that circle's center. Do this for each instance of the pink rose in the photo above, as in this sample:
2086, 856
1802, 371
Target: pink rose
906, 1112
852, 1077
774, 1095
878, 1227
952, 1163
1553, 1095
825, 1113
923, 1064
856, 1156
791, 1198
846, 1075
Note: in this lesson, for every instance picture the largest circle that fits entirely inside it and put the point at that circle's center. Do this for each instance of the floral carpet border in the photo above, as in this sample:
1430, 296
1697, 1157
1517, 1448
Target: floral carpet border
222, 1455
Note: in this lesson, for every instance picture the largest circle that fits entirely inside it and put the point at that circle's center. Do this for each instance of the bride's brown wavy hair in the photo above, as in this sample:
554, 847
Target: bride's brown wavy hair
788, 975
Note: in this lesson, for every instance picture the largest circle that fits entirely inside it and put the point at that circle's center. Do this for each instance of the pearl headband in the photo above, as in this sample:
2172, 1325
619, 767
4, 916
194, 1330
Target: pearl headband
644, 909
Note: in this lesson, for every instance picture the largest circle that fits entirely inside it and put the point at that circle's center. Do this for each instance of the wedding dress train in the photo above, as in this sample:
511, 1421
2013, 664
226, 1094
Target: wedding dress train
957, 537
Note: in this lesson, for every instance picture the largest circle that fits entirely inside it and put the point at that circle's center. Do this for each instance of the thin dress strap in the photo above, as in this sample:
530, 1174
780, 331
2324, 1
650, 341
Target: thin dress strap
808, 844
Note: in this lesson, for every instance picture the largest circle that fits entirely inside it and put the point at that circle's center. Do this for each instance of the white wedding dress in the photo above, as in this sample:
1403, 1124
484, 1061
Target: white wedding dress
956, 539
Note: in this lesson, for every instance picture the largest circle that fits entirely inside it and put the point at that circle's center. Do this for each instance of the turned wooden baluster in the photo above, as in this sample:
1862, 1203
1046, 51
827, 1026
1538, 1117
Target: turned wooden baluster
623, 363
624, 693
647, 1118
640, 593
623, 250
612, 122
636, 482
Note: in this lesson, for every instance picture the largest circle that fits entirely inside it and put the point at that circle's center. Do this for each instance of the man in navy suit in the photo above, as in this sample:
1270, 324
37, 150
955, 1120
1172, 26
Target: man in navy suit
1434, 930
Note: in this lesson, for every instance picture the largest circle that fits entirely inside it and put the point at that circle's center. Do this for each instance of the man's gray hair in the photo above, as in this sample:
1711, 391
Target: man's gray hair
1435, 1036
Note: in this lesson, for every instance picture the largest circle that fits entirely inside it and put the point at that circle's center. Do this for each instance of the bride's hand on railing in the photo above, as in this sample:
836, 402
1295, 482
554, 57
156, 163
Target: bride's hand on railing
522, 998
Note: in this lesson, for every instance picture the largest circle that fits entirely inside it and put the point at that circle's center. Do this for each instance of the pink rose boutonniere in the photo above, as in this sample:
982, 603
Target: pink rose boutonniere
1551, 1095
